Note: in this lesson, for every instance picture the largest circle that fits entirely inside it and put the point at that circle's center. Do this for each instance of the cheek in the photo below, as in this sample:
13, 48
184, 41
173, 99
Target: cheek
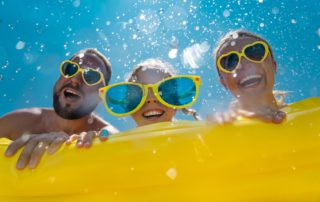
170, 113
230, 81
58, 84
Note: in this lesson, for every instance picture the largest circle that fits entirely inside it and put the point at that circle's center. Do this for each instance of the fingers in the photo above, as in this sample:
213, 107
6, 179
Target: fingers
279, 117
221, 118
16, 145
271, 115
37, 153
72, 138
26, 153
56, 144
80, 139
88, 138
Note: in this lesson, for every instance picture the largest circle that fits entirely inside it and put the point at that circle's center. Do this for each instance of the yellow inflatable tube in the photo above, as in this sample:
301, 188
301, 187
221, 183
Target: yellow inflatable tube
184, 161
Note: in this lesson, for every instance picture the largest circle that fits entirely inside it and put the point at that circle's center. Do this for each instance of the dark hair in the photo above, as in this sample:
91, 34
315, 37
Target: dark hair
106, 62
234, 35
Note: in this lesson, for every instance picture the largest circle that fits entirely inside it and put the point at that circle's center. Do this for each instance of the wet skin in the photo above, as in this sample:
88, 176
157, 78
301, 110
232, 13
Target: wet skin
252, 83
152, 111
44, 129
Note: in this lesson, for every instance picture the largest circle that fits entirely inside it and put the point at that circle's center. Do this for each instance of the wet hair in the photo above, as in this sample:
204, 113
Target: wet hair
234, 35
106, 62
154, 63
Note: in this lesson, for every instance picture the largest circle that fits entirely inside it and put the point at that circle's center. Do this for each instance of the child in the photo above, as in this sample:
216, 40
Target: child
152, 94
246, 66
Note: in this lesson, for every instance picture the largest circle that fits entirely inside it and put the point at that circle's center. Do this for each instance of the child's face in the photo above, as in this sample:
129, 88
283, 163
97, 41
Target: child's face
152, 111
250, 79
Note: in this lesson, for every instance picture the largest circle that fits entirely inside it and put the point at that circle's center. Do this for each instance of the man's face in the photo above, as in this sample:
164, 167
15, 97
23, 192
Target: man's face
72, 98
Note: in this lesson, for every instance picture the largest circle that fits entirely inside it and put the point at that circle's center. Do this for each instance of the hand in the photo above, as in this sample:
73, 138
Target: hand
265, 113
35, 146
85, 139
221, 117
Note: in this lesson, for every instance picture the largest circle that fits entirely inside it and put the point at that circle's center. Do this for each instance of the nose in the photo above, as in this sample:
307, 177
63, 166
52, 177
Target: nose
76, 80
151, 98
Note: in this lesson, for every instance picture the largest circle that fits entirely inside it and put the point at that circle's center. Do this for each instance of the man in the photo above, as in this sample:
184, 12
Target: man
75, 96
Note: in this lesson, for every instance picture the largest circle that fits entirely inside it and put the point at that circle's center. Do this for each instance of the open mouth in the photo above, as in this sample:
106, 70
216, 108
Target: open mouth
153, 114
250, 81
71, 94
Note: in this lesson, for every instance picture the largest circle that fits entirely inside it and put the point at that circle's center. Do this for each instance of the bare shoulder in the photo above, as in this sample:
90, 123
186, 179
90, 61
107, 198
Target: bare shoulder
14, 123
102, 124
29, 113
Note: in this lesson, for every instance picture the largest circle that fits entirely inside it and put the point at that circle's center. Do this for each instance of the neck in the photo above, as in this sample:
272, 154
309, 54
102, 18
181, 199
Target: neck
75, 125
266, 100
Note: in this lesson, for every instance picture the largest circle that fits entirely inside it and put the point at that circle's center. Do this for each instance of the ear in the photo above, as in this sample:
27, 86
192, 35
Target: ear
275, 66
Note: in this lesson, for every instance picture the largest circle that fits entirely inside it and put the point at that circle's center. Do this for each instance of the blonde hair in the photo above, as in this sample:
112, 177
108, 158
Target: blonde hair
154, 63
151, 63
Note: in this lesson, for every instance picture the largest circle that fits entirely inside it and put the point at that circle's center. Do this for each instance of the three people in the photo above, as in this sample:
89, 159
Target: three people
153, 93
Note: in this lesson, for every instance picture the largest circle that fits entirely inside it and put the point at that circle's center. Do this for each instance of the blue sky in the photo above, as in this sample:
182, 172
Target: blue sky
37, 35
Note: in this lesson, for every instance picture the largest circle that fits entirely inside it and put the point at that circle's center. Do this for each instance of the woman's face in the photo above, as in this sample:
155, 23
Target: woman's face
250, 79
152, 111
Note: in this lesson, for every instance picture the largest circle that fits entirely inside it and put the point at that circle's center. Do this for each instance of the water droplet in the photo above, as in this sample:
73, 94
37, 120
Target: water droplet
193, 56
134, 36
154, 151
76, 3
148, 21
172, 173
20, 45
173, 53
226, 13
275, 10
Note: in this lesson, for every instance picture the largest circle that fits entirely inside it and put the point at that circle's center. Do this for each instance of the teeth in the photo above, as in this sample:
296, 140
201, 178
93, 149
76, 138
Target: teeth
71, 91
153, 113
247, 78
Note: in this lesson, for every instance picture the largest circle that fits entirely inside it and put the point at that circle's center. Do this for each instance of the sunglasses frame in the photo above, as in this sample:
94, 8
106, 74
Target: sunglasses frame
242, 54
145, 88
82, 73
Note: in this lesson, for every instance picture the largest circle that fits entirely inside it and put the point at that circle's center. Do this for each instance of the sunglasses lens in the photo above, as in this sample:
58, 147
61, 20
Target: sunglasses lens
229, 62
178, 91
91, 76
124, 98
69, 69
255, 52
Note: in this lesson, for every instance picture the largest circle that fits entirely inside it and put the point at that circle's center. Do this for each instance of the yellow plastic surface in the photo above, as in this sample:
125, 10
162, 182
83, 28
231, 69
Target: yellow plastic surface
182, 161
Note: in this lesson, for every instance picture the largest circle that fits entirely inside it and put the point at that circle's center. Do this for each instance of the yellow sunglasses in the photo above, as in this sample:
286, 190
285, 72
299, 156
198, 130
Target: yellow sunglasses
255, 52
90, 76
123, 99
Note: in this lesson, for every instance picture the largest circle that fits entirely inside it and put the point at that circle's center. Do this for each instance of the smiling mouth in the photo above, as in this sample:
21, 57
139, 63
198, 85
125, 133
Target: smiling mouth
150, 114
71, 94
250, 81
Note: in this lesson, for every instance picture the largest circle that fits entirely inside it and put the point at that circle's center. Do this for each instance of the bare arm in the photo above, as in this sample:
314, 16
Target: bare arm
15, 124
